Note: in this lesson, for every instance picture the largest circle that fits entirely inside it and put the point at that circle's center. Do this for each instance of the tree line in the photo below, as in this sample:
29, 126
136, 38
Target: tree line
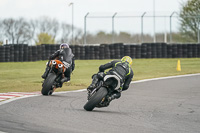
42, 30
45, 30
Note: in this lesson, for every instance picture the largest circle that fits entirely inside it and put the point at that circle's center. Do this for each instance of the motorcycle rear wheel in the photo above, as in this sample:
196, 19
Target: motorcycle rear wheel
47, 85
96, 99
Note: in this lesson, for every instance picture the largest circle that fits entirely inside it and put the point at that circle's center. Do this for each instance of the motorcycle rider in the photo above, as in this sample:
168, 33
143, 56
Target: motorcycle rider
121, 69
65, 55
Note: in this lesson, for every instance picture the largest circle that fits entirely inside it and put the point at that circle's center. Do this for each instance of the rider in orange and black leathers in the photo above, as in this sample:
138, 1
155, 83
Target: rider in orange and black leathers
66, 56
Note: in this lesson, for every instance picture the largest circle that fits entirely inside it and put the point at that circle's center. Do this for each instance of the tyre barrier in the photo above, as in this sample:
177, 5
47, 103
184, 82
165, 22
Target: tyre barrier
2, 54
198, 50
7, 53
34, 53
12, 53
16, 53
30, 53
23, 52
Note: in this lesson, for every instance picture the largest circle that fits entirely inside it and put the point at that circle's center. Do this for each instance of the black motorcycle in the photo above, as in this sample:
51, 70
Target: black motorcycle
100, 96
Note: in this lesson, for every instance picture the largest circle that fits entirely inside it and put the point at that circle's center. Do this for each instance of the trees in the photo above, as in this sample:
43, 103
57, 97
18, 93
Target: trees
45, 25
1, 32
45, 38
190, 20
65, 33
21, 31
17, 31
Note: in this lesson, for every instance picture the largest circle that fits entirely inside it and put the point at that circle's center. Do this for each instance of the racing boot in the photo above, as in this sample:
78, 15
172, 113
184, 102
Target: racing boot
93, 84
65, 79
115, 95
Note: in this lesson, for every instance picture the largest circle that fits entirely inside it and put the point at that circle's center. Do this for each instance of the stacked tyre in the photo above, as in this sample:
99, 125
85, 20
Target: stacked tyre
16, 53
164, 50
174, 51
159, 50
30, 53
118, 48
133, 51
153, 51
47, 51
185, 50
21, 52
101, 51
190, 49
179, 51
2, 54
43, 54
169, 51
198, 50
194, 50
127, 50
12, 53
137, 49
106, 52
34, 53
96, 51
112, 51
39, 52
7, 53
82, 52
92, 53
87, 52
122, 54
25, 58
149, 51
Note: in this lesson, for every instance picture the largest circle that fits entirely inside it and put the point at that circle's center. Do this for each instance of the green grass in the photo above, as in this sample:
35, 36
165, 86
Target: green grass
26, 76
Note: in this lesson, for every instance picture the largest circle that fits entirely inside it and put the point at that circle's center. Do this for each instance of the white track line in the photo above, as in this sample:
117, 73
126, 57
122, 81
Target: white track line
10, 100
178, 76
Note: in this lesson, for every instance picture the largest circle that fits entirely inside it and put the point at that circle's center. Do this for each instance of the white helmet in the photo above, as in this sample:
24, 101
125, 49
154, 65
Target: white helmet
64, 45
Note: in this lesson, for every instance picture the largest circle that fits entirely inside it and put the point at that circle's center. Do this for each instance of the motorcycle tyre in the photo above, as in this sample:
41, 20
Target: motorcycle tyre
47, 85
96, 99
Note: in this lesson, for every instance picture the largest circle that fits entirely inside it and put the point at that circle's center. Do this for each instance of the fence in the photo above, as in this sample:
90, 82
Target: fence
21, 52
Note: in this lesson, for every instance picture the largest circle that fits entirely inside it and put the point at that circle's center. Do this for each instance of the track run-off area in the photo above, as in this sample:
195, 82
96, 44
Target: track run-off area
160, 105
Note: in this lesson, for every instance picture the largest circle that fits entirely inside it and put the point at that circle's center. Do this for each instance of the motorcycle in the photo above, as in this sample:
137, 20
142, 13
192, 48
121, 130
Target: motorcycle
53, 80
100, 96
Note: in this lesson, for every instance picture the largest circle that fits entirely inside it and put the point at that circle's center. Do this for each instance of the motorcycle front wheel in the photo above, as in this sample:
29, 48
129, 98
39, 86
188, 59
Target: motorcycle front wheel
47, 85
96, 99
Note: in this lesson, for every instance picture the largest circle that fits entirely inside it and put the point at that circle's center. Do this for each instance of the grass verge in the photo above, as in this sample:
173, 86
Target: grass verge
26, 76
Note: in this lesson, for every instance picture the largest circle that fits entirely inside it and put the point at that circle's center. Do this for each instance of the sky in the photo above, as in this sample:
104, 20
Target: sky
60, 10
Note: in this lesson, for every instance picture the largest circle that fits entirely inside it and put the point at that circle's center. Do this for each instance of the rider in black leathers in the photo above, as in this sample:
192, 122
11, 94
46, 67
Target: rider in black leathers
122, 69
66, 56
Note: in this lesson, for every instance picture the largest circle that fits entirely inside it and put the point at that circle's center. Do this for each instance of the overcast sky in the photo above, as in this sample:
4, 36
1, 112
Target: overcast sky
61, 10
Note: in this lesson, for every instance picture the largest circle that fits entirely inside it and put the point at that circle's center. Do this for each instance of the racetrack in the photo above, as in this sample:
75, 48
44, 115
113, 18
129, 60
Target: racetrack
159, 106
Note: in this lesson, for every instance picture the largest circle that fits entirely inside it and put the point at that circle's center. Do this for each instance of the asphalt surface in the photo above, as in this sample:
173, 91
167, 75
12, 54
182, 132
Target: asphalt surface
160, 106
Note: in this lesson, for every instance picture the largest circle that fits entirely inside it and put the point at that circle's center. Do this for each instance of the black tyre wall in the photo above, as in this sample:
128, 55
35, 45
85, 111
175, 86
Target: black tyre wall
2, 54
23, 52
7, 53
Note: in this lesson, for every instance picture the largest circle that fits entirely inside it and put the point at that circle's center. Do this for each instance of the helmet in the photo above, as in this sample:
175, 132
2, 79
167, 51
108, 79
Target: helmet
128, 59
64, 45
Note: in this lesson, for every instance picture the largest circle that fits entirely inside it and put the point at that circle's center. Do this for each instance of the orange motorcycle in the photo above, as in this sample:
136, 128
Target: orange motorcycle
53, 80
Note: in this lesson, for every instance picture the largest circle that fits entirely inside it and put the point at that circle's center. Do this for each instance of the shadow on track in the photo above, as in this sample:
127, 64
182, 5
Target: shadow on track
102, 111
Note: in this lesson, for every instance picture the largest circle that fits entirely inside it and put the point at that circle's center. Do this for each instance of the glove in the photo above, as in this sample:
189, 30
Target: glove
100, 75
